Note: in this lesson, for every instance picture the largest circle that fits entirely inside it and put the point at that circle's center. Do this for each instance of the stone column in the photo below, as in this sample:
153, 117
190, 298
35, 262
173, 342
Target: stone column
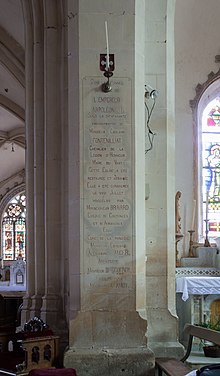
107, 334
29, 156
43, 123
160, 174
51, 309
39, 245
33, 13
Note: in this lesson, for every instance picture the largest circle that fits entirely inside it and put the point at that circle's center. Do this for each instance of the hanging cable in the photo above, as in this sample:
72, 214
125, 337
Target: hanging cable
153, 95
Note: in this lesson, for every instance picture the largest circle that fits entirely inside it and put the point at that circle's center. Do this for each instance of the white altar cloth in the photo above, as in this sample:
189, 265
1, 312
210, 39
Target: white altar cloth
197, 285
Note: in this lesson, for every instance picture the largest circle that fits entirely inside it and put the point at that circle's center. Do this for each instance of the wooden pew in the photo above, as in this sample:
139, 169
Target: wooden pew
175, 367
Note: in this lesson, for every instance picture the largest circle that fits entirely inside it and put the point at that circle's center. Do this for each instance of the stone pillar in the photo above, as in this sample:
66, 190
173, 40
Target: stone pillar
43, 123
29, 156
51, 308
39, 245
107, 334
160, 174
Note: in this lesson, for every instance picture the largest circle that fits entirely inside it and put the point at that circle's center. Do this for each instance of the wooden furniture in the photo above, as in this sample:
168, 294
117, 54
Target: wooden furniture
34, 347
175, 367
40, 352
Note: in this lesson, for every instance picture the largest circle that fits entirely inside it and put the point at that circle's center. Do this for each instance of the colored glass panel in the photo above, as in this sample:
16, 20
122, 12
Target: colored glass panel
19, 238
211, 167
8, 241
212, 115
14, 228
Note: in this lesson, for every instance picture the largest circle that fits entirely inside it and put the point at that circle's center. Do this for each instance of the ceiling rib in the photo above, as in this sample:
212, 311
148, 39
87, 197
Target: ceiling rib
12, 107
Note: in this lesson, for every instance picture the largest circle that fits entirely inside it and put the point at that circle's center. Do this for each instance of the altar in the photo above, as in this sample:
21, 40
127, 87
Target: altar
13, 276
197, 285
194, 298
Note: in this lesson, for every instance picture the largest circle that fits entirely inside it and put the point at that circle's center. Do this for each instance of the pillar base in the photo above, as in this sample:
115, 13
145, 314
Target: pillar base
51, 311
36, 305
110, 362
25, 312
172, 349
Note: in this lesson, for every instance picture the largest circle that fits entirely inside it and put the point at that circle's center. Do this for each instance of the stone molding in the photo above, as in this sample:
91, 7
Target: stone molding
12, 58
12, 107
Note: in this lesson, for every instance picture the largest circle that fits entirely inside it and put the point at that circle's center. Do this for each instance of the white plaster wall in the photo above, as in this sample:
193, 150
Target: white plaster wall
196, 45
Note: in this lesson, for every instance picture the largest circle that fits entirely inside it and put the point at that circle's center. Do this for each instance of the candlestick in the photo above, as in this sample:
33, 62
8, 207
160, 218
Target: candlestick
178, 238
107, 46
206, 243
191, 243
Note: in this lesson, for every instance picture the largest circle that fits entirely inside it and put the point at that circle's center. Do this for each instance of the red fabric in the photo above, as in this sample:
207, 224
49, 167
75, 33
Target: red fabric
52, 372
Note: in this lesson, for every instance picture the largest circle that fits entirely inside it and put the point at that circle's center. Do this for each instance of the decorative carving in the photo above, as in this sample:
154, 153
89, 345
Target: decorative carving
35, 325
200, 88
211, 75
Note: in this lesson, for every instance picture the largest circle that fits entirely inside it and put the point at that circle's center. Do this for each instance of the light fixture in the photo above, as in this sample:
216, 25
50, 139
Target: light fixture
150, 92
107, 64
106, 87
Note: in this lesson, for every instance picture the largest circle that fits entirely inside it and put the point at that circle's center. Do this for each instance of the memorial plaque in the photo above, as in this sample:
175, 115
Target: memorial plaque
108, 266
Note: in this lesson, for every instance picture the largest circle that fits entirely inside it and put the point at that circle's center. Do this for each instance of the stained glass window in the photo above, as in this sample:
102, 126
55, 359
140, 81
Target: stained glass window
14, 228
211, 167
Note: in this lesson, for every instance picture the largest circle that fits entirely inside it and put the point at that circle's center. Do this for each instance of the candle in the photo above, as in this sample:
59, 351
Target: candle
193, 215
107, 46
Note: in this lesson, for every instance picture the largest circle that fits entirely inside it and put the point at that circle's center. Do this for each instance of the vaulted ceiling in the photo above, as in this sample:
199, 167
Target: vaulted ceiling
12, 89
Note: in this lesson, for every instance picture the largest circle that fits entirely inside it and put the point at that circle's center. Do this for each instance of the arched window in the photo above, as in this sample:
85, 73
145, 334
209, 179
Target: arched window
206, 118
211, 166
14, 228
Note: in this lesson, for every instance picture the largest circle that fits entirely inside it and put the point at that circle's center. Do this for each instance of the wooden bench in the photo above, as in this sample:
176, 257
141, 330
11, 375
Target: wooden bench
175, 367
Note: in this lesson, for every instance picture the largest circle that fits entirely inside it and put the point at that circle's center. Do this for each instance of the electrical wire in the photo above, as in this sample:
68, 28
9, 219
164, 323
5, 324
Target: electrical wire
149, 131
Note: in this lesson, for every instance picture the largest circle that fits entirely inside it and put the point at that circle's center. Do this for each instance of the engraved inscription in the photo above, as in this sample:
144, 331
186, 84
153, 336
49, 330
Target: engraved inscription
107, 193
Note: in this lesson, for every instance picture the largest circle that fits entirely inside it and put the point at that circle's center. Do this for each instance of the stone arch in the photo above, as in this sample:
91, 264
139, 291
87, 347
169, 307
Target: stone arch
12, 193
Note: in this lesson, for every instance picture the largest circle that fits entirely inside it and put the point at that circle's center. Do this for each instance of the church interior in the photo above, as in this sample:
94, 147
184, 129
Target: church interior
109, 180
